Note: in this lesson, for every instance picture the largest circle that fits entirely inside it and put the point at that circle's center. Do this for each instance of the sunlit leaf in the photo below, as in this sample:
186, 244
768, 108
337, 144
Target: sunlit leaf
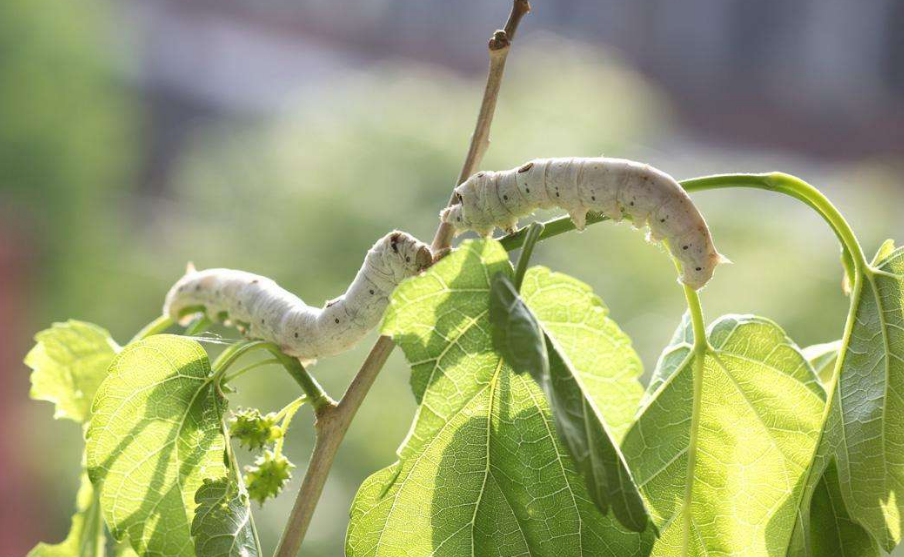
69, 362
867, 420
155, 436
520, 338
482, 471
597, 348
86, 536
222, 526
760, 416
824, 526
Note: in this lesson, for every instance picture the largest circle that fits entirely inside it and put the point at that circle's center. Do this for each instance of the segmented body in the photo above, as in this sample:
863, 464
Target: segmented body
264, 310
616, 188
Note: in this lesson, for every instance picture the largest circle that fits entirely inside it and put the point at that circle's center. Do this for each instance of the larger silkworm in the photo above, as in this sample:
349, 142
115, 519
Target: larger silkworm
617, 188
264, 310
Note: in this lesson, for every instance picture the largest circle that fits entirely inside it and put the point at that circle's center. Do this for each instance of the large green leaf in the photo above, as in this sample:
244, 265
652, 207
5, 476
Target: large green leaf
482, 471
518, 336
223, 526
69, 362
760, 416
86, 536
866, 425
154, 437
824, 526
578, 321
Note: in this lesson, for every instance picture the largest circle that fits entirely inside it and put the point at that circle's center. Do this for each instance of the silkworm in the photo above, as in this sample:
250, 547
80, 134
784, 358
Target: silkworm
617, 188
261, 309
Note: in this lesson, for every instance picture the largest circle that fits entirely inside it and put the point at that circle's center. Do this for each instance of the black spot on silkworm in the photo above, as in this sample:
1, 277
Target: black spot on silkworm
394, 243
197, 288
526, 190
632, 203
661, 220
407, 259
296, 335
182, 288
525, 168
337, 320
698, 268
684, 247
505, 198
592, 198
254, 281
371, 291
557, 194
263, 322
458, 219
480, 174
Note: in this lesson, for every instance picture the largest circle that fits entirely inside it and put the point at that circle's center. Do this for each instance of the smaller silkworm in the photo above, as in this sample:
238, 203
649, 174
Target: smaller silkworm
264, 310
614, 187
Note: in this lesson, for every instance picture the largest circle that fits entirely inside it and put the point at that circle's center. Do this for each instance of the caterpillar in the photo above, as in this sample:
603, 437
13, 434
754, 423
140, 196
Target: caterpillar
614, 187
261, 309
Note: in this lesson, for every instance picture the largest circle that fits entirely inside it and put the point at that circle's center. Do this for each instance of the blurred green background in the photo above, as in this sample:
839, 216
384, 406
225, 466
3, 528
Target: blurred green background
285, 138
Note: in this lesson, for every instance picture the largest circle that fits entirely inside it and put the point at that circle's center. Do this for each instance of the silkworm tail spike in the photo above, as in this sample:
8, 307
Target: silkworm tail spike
722, 260
190, 268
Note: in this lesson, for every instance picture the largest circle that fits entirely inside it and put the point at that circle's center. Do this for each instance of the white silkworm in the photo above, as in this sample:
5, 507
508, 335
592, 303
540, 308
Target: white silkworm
264, 310
614, 187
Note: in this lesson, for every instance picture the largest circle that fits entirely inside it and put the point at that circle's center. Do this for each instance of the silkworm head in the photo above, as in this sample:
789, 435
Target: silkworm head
413, 255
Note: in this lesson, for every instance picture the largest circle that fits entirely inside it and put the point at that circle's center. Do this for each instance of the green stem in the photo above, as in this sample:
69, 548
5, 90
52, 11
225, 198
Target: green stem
533, 235
287, 413
246, 369
232, 353
315, 393
796, 188
551, 228
155, 327
199, 325
701, 346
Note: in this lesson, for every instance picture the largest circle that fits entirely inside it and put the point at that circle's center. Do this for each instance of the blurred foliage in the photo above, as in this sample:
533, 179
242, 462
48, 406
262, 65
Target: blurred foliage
66, 137
302, 195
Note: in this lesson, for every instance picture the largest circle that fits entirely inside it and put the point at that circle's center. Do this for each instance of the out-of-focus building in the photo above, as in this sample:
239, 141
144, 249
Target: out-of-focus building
818, 76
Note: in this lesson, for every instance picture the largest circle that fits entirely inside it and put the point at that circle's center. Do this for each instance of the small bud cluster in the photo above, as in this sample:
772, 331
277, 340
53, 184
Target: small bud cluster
271, 470
267, 476
254, 430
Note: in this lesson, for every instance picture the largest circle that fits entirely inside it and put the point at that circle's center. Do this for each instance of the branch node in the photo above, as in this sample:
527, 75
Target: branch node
499, 41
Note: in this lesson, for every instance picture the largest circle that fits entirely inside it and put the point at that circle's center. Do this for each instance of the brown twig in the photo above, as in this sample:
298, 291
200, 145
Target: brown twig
333, 422
499, 46
330, 429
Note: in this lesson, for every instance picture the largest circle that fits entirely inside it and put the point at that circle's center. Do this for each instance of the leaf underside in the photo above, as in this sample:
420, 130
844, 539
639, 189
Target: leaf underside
154, 437
760, 417
222, 525
866, 423
482, 471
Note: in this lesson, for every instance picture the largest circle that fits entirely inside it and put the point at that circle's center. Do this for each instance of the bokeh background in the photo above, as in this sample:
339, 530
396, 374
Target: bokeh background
283, 137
